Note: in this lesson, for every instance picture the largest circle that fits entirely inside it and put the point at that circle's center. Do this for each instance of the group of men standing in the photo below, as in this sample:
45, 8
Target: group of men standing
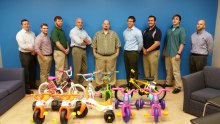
106, 46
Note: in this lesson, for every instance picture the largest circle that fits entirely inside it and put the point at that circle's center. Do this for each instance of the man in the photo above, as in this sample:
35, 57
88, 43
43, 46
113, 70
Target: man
151, 50
61, 48
44, 52
202, 45
106, 44
79, 40
133, 45
175, 40
25, 38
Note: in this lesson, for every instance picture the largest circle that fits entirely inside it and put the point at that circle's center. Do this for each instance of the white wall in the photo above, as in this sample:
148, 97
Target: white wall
216, 51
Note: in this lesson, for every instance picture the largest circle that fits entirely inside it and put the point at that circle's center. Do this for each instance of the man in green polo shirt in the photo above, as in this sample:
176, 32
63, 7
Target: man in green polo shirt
175, 40
61, 48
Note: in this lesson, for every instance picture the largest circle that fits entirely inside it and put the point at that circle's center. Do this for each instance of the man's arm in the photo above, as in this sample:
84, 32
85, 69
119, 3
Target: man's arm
75, 37
21, 43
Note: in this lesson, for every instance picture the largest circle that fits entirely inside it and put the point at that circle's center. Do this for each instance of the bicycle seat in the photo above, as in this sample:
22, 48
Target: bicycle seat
108, 102
50, 78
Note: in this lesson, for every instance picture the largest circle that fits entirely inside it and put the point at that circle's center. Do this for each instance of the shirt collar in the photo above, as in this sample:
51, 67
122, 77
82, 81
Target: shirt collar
129, 29
175, 27
200, 32
104, 32
78, 28
42, 34
152, 29
25, 31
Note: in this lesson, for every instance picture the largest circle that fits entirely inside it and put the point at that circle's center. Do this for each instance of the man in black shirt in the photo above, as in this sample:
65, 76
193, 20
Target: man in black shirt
151, 50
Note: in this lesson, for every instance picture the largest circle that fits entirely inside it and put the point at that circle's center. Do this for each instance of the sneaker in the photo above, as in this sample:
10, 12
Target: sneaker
97, 88
176, 90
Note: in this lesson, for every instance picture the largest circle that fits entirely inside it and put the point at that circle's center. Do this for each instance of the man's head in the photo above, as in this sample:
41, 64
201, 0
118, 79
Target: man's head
131, 21
79, 23
58, 21
200, 25
106, 25
151, 21
176, 20
25, 24
44, 28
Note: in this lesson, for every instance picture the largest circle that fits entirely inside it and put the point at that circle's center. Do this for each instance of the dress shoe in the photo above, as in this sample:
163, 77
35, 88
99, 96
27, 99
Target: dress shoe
176, 90
34, 87
166, 85
97, 88
29, 92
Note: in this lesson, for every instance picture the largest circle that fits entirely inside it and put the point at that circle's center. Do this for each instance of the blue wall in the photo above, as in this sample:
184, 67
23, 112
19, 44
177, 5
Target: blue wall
93, 12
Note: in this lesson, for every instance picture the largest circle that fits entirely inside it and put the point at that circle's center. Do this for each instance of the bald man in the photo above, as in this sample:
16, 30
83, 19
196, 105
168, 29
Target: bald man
202, 45
79, 40
106, 44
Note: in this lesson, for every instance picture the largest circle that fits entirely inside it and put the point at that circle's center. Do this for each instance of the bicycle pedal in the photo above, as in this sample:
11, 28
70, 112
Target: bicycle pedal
146, 115
45, 113
165, 113
73, 114
54, 120
119, 114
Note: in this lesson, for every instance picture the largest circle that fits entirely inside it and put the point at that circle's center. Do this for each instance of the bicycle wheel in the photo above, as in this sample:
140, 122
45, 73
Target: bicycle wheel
43, 88
119, 95
109, 116
77, 89
156, 114
77, 109
127, 115
36, 117
63, 119
163, 94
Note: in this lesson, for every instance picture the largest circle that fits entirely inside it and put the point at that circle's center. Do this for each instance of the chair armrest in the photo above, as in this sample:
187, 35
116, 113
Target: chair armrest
191, 83
11, 74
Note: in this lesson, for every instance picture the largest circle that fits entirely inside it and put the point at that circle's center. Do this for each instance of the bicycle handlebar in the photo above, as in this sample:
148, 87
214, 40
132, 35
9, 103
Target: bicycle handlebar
157, 93
68, 72
122, 90
88, 74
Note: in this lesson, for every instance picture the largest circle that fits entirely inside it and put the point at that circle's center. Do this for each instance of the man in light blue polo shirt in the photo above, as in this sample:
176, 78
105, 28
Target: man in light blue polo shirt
133, 45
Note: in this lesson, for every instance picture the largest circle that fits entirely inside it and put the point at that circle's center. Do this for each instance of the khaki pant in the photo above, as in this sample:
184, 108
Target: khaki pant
61, 63
44, 67
150, 62
105, 64
173, 68
79, 63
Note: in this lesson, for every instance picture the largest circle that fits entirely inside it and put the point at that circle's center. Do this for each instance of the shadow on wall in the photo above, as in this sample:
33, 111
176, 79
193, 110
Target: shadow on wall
1, 58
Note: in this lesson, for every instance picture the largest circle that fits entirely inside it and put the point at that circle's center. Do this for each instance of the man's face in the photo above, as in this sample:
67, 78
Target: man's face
106, 25
79, 23
44, 29
25, 25
151, 22
130, 23
59, 23
176, 20
200, 25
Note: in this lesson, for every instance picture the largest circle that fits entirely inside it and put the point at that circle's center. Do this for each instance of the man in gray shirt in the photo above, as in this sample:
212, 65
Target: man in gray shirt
202, 45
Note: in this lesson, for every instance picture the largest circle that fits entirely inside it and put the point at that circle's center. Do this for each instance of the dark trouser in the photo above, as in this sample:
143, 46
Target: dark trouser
131, 62
197, 62
28, 63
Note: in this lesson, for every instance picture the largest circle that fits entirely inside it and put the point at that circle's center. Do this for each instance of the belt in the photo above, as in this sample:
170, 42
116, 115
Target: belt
106, 54
195, 54
131, 51
48, 55
79, 47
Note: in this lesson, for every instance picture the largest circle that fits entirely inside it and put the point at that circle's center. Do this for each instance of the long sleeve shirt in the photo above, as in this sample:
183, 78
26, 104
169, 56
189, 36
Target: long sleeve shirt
43, 44
133, 39
25, 40
77, 36
202, 43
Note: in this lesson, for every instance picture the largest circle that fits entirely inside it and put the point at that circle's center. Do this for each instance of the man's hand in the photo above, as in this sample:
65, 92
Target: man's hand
177, 57
144, 51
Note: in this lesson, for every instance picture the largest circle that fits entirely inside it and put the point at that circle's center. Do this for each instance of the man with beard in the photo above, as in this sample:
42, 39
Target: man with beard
151, 50
106, 44
61, 48
202, 45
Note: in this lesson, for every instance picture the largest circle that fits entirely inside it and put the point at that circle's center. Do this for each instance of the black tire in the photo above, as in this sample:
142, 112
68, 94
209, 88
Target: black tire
109, 116
33, 105
163, 94
63, 119
36, 117
77, 108
116, 92
55, 105
107, 96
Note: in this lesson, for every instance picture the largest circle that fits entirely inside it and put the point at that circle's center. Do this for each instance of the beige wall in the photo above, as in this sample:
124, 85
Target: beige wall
216, 51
